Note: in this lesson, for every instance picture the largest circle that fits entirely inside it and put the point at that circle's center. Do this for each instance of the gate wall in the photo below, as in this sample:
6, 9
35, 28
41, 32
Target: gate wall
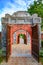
23, 22
35, 42
14, 28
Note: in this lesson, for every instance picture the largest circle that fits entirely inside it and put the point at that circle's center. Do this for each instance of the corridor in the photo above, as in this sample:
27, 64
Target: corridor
21, 50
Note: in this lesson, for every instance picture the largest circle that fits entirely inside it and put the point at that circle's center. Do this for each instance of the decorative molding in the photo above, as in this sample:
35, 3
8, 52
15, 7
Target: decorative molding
37, 20
20, 21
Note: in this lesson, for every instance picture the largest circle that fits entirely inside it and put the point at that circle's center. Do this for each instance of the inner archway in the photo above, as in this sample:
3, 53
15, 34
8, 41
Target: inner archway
21, 43
21, 34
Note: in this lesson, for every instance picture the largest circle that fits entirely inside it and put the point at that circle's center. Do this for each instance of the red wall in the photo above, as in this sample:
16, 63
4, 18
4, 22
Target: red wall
14, 28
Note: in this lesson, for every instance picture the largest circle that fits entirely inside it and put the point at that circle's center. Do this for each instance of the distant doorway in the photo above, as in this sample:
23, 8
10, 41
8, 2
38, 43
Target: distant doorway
21, 46
22, 39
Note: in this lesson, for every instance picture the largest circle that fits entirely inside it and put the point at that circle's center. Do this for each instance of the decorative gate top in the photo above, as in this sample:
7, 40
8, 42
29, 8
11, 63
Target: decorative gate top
21, 17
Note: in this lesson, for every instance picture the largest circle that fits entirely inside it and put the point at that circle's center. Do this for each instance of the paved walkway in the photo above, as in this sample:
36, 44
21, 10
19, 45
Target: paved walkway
21, 50
19, 56
21, 61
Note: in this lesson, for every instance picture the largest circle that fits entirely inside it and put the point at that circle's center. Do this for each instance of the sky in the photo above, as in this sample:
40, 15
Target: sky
11, 6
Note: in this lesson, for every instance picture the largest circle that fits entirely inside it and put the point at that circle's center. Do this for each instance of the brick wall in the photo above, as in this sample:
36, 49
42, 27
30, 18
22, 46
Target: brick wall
14, 28
35, 42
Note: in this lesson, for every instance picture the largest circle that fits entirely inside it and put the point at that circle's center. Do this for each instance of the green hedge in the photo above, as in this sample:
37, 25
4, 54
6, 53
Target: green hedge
1, 59
41, 50
41, 53
41, 60
42, 43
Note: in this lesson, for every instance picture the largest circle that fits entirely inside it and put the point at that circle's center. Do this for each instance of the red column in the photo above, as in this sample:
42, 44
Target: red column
11, 40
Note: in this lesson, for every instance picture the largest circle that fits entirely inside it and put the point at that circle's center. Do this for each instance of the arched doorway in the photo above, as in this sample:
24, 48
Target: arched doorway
21, 35
22, 39
21, 43
30, 30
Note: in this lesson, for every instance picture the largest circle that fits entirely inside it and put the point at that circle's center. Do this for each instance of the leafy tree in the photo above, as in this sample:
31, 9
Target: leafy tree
36, 7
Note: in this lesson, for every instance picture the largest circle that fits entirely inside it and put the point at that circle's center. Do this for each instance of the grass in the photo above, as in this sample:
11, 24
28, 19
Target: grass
41, 60
41, 55
1, 58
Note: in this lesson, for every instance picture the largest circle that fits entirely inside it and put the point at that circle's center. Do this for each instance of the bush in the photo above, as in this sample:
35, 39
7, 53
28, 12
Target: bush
41, 60
41, 52
42, 43
1, 59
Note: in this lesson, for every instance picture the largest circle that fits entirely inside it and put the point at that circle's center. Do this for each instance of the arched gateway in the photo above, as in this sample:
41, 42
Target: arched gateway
21, 24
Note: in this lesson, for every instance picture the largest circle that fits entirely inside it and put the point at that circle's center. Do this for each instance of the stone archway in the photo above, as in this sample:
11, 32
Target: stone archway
12, 23
22, 48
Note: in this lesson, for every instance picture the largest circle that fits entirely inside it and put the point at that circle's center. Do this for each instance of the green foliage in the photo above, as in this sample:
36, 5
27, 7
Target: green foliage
36, 7
42, 43
41, 60
0, 51
41, 52
21, 35
42, 25
1, 59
